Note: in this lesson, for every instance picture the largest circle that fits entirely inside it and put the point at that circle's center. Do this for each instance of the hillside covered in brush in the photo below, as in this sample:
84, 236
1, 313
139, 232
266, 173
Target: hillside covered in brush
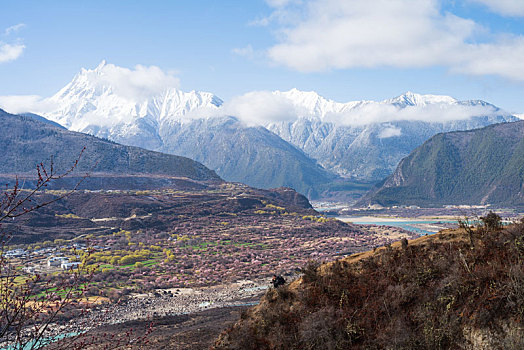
26, 142
482, 166
446, 291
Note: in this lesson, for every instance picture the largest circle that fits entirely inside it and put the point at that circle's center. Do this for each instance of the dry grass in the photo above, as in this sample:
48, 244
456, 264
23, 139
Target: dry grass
429, 294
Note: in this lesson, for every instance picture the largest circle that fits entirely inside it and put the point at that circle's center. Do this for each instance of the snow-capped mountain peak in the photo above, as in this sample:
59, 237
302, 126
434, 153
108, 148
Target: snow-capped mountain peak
412, 99
101, 65
311, 105
108, 95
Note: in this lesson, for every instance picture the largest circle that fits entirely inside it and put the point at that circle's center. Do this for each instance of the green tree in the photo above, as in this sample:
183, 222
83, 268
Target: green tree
492, 221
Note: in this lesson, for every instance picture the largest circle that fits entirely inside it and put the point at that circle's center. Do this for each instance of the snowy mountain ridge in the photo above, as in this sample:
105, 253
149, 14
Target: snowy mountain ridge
93, 99
408, 106
113, 97
319, 106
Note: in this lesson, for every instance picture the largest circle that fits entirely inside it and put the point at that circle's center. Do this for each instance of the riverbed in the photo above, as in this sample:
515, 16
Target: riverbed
419, 226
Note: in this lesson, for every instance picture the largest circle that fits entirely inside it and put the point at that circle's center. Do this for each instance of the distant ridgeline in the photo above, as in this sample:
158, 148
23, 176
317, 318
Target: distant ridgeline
26, 141
482, 166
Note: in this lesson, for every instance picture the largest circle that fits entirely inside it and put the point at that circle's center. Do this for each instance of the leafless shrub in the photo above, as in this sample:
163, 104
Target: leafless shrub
310, 271
319, 330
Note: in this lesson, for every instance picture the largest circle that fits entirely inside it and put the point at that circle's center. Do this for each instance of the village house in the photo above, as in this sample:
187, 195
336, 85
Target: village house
70, 265
29, 269
15, 253
57, 261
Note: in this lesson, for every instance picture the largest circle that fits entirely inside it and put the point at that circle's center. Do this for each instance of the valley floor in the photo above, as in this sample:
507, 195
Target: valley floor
159, 255
178, 318
197, 330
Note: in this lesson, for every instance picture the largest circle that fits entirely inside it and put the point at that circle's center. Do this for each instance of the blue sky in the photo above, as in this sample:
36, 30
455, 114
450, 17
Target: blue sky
344, 50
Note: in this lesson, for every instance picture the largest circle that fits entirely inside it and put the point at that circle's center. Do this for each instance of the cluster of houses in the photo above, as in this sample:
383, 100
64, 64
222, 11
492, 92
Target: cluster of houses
53, 261
47, 251
16, 253
63, 262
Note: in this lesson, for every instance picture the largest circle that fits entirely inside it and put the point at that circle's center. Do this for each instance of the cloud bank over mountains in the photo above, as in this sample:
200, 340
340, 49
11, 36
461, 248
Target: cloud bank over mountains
26, 103
265, 107
140, 89
322, 35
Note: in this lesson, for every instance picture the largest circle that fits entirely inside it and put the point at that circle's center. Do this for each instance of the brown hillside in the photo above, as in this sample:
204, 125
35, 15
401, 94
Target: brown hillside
438, 292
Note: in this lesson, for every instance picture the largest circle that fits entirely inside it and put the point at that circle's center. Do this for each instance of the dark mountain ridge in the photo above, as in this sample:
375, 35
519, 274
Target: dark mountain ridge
26, 142
476, 167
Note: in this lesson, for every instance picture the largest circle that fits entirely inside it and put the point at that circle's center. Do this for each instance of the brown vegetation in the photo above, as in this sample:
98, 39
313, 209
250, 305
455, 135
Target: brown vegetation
438, 292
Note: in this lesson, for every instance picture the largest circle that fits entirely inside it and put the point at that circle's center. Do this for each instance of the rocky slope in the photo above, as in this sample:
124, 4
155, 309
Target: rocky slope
482, 166
251, 155
350, 140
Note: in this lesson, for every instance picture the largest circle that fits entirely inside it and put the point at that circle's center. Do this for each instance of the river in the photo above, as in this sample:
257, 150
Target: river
420, 226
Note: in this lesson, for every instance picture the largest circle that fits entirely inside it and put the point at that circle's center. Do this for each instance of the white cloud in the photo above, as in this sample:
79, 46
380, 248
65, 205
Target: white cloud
259, 108
503, 58
136, 84
284, 11
253, 109
390, 131
13, 29
438, 112
512, 8
25, 103
244, 51
280, 3
333, 34
10, 52
261, 22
